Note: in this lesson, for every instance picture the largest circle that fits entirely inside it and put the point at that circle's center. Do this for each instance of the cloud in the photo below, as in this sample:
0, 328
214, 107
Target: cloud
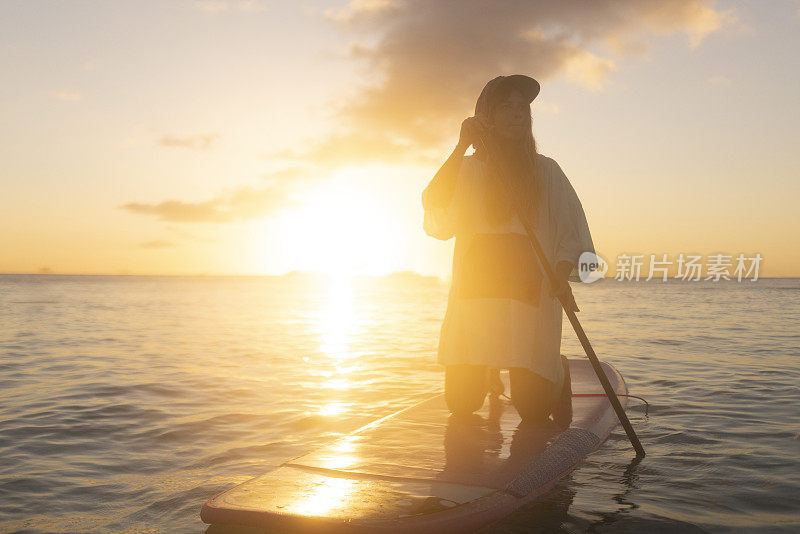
362, 9
355, 146
425, 63
216, 6
428, 61
157, 243
67, 97
241, 203
588, 70
626, 46
695, 18
199, 141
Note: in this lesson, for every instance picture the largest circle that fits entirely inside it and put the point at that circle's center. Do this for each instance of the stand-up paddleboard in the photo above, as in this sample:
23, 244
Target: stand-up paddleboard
421, 470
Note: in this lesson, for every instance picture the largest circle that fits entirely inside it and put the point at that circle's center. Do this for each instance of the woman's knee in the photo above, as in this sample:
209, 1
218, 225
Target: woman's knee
531, 394
465, 387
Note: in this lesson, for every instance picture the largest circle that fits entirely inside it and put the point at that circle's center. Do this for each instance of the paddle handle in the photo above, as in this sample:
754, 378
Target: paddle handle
573, 319
598, 369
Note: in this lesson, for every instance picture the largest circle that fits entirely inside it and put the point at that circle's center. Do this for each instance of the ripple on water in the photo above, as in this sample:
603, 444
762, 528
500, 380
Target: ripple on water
132, 400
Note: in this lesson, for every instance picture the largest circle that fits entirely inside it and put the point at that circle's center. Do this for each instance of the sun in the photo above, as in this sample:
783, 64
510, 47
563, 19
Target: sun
343, 227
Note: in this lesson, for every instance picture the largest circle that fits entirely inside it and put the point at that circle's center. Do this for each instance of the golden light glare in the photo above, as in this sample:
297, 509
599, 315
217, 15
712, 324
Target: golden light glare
337, 318
340, 228
337, 326
334, 408
328, 495
337, 383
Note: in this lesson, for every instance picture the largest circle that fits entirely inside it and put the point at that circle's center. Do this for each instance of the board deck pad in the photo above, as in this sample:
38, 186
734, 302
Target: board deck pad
423, 468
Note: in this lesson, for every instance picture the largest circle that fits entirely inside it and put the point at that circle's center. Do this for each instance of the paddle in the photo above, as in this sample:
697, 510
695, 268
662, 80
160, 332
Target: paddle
573, 319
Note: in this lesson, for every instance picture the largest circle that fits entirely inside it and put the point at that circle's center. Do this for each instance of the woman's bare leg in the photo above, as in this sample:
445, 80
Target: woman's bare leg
465, 387
562, 412
531, 394
496, 387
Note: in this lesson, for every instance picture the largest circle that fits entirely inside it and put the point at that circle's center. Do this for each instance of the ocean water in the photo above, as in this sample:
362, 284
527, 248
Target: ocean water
126, 402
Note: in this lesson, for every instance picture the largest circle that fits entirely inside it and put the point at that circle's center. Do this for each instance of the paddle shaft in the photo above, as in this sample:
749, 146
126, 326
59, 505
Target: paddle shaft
573, 319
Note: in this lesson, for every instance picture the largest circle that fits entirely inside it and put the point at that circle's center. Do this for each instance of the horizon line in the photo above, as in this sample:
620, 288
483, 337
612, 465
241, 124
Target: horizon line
324, 275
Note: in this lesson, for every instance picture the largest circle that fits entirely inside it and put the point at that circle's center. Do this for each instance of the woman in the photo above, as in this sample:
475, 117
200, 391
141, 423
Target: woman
502, 312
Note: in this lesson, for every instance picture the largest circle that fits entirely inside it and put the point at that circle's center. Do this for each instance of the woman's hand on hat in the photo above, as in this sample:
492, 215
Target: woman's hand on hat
471, 132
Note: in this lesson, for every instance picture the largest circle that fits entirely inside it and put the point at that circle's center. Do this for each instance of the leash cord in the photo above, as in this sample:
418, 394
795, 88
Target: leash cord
646, 404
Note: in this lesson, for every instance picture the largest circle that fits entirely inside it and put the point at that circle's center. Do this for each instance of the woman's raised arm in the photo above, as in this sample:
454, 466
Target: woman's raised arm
438, 195
440, 190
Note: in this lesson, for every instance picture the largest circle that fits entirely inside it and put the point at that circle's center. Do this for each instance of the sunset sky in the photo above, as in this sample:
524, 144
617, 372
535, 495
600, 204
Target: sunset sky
250, 137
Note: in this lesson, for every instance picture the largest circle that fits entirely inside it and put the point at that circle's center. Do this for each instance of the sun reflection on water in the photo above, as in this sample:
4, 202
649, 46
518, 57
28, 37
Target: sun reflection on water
334, 408
337, 320
337, 327
337, 383
332, 493
342, 454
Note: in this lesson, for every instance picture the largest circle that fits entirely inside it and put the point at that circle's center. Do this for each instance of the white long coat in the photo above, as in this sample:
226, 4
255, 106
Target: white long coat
506, 332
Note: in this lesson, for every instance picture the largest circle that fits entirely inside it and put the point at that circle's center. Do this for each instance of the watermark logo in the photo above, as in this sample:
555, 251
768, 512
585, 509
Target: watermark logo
591, 267
688, 267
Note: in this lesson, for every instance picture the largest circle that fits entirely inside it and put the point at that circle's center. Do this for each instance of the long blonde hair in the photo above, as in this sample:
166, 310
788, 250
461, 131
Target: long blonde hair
517, 165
